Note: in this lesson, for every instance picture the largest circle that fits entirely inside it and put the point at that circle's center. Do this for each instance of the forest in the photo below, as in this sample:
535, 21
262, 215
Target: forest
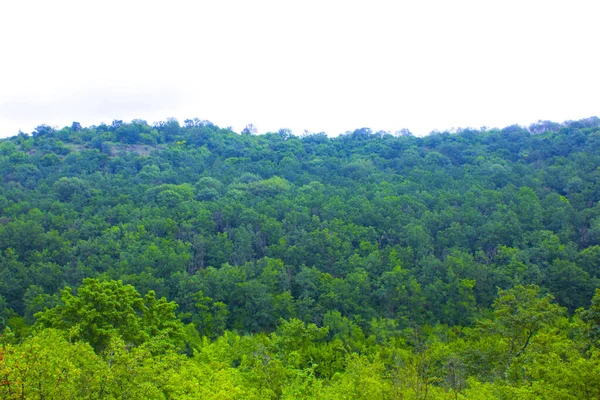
187, 261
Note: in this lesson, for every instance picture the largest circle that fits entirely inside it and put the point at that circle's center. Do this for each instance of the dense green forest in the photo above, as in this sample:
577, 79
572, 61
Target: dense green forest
189, 261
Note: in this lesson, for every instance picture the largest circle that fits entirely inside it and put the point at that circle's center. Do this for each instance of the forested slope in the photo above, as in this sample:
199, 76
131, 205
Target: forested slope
366, 265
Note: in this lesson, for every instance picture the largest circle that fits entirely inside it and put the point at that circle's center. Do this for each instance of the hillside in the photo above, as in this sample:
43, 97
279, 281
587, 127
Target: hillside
365, 265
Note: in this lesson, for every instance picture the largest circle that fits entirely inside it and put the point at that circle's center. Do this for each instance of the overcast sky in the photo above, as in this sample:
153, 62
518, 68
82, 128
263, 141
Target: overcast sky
323, 65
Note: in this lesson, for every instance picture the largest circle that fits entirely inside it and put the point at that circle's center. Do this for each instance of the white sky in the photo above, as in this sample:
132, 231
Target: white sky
327, 66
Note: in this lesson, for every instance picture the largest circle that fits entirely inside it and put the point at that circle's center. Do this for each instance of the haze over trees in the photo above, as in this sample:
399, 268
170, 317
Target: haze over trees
188, 261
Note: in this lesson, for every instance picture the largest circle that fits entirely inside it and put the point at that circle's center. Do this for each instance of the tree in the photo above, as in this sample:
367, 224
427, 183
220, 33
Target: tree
249, 130
519, 314
169, 128
400, 294
43, 130
48, 366
572, 286
592, 317
102, 310
66, 188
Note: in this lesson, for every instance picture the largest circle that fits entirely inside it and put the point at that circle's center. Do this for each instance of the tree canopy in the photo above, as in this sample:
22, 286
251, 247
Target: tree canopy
185, 260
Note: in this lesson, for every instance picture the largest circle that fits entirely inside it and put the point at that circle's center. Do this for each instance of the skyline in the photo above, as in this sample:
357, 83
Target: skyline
322, 67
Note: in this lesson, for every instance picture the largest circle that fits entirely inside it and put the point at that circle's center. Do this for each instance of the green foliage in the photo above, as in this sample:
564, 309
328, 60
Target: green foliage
66, 188
102, 310
366, 265
592, 317
48, 366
